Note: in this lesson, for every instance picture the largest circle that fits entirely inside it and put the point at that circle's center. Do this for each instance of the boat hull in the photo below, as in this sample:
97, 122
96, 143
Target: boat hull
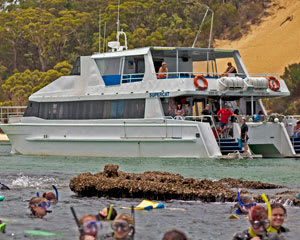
148, 138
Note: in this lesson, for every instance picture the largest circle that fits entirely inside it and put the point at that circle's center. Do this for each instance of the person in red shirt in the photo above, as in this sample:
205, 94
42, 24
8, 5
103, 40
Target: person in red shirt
224, 115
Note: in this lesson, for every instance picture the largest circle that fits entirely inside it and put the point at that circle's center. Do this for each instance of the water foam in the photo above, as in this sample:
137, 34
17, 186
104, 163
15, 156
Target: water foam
33, 181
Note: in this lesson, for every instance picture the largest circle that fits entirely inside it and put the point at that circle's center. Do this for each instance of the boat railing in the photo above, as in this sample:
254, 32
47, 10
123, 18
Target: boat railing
292, 117
130, 78
212, 75
11, 112
205, 118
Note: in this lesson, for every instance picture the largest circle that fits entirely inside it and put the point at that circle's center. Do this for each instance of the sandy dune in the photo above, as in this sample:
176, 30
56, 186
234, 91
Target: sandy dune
269, 47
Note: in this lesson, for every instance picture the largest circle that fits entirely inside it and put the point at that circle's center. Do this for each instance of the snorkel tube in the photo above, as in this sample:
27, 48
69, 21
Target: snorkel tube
109, 212
5, 187
2, 226
56, 192
132, 214
269, 208
82, 234
239, 200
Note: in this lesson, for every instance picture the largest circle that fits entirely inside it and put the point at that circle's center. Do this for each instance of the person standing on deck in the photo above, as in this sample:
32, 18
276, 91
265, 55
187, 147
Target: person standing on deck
206, 111
179, 112
244, 135
187, 109
296, 129
224, 115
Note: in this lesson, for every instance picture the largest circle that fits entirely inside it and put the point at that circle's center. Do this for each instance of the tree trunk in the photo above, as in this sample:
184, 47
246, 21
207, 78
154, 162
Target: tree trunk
13, 43
42, 61
15, 57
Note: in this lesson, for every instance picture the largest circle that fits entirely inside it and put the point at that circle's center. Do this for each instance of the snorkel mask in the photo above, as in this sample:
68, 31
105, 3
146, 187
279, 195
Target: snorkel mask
247, 206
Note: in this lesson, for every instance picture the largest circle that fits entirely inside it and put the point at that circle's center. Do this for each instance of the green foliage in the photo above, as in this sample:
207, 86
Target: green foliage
37, 34
291, 104
18, 87
3, 69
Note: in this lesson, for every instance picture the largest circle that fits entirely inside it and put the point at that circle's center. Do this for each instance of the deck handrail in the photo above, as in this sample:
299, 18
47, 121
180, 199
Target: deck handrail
201, 117
213, 74
7, 112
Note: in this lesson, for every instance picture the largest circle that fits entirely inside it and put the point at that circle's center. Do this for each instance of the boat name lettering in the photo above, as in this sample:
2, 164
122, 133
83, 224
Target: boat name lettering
159, 94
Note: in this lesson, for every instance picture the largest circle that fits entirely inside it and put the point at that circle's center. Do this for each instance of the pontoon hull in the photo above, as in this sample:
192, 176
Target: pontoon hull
152, 138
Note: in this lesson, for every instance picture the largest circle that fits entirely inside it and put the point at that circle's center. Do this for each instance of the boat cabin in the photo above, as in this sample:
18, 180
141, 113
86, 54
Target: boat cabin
126, 84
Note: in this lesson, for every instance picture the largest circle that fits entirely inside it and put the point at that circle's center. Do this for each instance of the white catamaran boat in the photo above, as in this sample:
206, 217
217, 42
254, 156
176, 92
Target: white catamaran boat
115, 104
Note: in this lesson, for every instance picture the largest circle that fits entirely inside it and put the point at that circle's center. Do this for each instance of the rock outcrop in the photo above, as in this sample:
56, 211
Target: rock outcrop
158, 185
150, 185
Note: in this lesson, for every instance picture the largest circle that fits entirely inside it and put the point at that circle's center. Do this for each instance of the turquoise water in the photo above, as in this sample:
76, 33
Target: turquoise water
28, 174
277, 170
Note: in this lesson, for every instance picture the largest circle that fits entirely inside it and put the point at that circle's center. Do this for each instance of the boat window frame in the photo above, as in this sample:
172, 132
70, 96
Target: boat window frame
198, 55
88, 109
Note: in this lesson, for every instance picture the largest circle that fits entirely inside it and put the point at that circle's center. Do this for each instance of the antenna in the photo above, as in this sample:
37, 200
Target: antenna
115, 45
104, 37
118, 22
210, 35
211, 28
100, 31
200, 27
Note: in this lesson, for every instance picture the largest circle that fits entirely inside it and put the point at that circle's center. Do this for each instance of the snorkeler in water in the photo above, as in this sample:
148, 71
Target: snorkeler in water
277, 220
4, 187
123, 227
259, 223
174, 235
244, 204
107, 214
90, 227
50, 196
38, 207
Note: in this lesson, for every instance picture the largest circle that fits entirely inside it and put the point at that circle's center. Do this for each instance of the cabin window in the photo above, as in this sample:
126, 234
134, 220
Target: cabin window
100, 109
134, 69
110, 69
32, 109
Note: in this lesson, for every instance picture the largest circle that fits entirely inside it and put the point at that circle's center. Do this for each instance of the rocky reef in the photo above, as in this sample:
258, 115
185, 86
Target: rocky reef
156, 185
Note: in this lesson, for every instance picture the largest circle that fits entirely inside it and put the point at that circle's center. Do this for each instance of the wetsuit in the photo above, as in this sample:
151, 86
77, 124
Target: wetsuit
249, 234
281, 232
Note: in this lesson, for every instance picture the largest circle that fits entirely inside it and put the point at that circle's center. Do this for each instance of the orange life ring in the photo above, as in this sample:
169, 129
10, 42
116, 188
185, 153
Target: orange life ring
274, 83
204, 81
